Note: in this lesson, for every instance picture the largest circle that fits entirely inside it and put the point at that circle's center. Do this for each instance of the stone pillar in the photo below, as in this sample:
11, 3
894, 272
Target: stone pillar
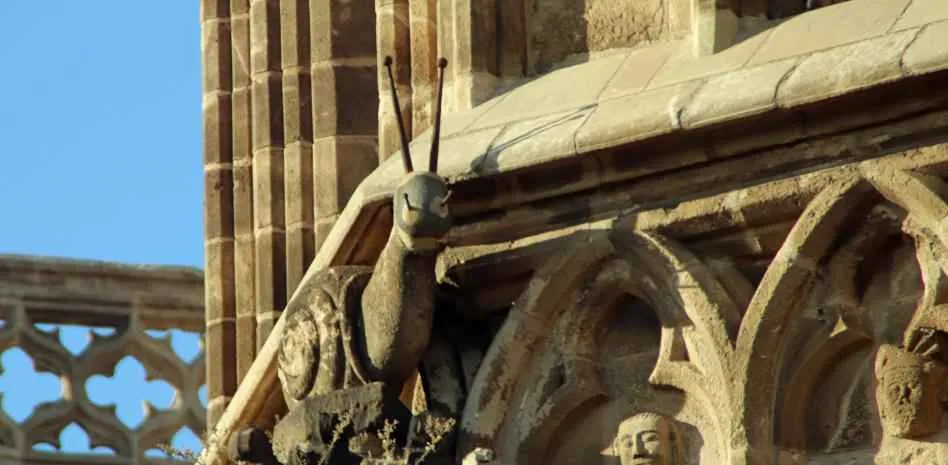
714, 26
344, 87
394, 39
298, 136
512, 40
268, 197
423, 15
218, 207
243, 187
468, 39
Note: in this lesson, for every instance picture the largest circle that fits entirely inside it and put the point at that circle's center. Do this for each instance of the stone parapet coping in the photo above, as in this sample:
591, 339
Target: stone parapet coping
659, 89
89, 292
628, 99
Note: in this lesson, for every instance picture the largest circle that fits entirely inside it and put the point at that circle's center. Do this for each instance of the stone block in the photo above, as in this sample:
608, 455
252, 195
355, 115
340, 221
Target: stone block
240, 50
297, 106
268, 193
264, 36
466, 153
300, 251
715, 27
635, 117
215, 55
245, 343
214, 9
219, 279
828, 27
294, 32
217, 128
323, 227
561, 90
310, 424
341, 30
928, 52
267, 113
845, 69
682, 66
242, 124
922, 12
346, 100
519, 143
736, 95
639, 68
270, 273
239, 8
243, 199
221, 339
341, 163
298, 186
218, 202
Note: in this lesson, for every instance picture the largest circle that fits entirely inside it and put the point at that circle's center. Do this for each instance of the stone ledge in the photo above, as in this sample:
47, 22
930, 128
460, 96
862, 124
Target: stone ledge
619, 105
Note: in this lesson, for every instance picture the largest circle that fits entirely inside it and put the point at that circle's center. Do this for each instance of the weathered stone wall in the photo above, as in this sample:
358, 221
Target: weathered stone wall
590, 26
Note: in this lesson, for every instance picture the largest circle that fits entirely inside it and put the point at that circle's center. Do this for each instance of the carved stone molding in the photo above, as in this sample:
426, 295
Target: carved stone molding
129, 300
757, 361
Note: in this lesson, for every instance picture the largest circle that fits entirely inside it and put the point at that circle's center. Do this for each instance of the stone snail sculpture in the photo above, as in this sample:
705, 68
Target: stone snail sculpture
353, 325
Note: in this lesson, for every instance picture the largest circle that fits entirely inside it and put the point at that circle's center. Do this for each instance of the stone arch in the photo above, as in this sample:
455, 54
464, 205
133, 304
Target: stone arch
674, 284
778, 298
788, 283
831, 345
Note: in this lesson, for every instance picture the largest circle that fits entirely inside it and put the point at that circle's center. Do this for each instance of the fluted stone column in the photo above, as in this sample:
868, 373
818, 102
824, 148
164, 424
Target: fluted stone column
468, 36
290, 130
394, 39
298, 137
243, 188
218, 206
268, 196
424, 64
344, 86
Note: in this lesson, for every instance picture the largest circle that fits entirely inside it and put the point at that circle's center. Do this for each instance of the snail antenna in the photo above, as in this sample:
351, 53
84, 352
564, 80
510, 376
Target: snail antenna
436, 136
406, 155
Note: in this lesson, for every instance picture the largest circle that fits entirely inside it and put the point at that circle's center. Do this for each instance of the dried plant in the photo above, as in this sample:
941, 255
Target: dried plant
436, 429
345, 419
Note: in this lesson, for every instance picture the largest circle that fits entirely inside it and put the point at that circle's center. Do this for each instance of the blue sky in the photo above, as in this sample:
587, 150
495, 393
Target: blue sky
100, 123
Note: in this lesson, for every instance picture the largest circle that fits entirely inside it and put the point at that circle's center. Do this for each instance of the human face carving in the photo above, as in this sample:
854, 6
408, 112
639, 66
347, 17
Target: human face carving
644, 439
907, 393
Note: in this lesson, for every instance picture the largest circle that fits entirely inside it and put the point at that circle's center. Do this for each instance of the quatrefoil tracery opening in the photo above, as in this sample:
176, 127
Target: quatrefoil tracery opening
184, 440
129, 389
75, 338
73, 440
22, 387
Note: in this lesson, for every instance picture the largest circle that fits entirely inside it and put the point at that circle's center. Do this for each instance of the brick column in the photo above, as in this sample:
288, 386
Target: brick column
268, 196
394, 39
243, 187
344, 86
298, 136
218, 207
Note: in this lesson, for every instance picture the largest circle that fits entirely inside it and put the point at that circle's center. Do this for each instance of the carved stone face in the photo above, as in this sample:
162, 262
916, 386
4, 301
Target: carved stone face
908, 392
421, 210
646, 439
